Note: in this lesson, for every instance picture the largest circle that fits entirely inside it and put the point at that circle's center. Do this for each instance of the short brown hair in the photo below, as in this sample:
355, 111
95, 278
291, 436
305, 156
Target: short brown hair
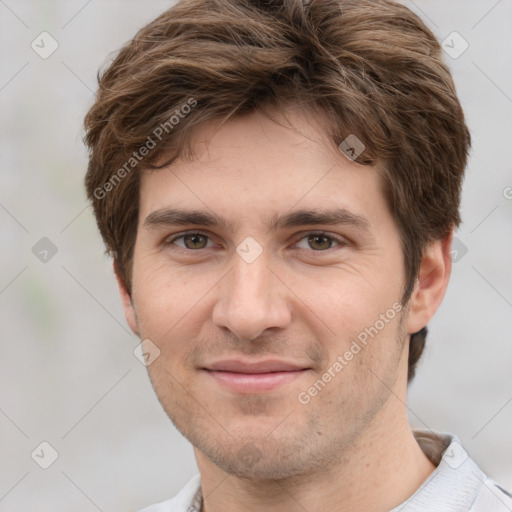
372, 66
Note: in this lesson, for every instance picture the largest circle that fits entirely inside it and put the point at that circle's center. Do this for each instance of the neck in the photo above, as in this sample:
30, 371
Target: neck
383, 468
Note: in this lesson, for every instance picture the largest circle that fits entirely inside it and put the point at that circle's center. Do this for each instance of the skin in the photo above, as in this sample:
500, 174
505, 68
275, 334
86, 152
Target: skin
303, 299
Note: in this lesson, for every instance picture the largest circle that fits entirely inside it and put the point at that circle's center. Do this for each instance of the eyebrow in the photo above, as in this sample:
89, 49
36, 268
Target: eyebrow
167, 217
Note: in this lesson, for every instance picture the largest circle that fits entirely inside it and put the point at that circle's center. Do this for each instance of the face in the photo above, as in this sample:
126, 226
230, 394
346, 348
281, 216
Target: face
268, 271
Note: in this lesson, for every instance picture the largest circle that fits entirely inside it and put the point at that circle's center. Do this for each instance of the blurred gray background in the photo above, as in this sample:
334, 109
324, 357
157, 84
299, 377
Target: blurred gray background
68, 374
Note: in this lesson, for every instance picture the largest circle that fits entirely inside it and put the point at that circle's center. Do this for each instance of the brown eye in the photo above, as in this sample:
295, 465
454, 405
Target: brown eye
319, 242
195, 241
190, 241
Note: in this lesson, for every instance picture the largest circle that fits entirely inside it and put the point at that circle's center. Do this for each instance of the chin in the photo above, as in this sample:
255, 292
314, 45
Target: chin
259, 461
262, 454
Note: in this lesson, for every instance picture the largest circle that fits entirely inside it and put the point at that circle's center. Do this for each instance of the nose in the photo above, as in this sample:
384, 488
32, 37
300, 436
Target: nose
251, 300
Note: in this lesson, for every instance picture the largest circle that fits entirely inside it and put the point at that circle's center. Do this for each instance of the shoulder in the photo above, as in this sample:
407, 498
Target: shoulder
182, 502
457, 483
492, 498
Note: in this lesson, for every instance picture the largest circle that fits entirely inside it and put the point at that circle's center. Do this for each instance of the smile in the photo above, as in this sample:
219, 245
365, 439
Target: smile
254, 382
254, 377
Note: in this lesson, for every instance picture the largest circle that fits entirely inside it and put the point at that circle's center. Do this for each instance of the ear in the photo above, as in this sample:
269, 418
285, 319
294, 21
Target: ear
430, 287
129, 311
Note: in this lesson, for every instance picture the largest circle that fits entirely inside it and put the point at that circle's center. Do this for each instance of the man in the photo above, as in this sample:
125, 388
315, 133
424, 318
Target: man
278, 183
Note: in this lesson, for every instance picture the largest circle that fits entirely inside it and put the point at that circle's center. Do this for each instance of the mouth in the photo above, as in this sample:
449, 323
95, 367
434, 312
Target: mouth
254, 377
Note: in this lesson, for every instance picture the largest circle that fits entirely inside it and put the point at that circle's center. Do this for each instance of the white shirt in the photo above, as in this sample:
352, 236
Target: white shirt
456, 485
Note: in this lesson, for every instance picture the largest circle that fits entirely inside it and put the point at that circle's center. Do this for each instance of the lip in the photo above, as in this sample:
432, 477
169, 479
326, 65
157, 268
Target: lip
265, 366
254, 376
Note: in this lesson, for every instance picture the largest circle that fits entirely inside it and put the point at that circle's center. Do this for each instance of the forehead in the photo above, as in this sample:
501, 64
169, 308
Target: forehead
262, 165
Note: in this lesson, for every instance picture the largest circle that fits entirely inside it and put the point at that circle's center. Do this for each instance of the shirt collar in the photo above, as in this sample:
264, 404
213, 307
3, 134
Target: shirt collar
452, 486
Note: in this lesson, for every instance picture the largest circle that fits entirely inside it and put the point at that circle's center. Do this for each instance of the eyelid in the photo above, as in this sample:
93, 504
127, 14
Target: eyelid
169, 240
340, 240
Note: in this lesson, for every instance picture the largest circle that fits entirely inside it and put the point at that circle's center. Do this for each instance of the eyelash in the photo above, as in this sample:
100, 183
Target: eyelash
340, 241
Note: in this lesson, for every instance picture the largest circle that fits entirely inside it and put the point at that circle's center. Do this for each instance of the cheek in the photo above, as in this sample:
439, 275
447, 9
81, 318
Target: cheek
164, 295
347, 303
363, 339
